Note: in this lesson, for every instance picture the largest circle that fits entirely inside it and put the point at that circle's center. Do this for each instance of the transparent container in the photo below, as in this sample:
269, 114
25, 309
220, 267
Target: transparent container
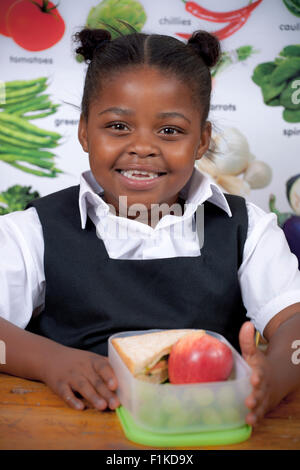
168, 408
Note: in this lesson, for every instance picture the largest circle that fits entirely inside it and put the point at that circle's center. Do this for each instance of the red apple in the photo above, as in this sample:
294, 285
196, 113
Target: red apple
199, 357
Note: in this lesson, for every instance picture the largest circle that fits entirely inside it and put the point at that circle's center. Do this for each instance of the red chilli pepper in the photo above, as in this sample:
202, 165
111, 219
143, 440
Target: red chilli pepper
219, 17
231, 28
225, 32
184, 35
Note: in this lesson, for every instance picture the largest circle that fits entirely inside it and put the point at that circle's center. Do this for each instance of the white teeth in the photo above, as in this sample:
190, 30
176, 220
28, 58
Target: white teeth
130, 174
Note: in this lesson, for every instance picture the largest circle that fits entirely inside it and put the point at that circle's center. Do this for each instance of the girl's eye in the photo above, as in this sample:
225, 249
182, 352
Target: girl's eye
170, 131
118, 126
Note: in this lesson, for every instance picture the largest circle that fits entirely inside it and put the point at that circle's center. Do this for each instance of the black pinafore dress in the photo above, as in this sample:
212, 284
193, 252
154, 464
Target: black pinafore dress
90, 296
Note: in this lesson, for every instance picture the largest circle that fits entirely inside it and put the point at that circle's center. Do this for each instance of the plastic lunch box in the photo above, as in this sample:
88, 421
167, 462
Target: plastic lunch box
190, 408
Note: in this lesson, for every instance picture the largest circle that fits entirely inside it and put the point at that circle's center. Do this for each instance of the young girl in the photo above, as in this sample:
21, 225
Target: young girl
98, 258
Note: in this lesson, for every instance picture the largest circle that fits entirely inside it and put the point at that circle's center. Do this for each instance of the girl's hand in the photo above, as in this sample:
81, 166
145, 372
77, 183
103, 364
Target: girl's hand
262, 398
72, 370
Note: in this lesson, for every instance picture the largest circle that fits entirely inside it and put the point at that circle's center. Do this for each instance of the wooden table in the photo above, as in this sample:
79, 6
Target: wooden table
33, 417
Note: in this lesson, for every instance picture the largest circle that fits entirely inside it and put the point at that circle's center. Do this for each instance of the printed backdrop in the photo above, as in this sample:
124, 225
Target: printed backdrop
255, 108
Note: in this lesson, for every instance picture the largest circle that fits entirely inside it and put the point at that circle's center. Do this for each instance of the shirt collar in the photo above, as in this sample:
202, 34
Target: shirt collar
200, 188
197, 190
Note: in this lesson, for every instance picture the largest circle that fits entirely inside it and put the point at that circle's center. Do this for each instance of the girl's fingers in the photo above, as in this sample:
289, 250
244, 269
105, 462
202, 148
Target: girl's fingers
102, 389
66, 393
251, 419
104, 370
251, 402
255, 399
257, 377
87, 391
255, 415
247, 340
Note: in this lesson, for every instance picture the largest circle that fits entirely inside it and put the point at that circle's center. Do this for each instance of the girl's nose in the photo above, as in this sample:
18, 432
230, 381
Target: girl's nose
142, 153
142, 146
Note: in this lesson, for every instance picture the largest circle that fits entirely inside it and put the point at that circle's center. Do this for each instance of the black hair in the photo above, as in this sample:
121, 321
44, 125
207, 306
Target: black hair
190, 62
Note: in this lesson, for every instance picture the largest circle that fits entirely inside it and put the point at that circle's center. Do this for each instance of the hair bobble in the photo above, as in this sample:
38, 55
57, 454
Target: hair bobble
100, 44
90, 41
206, 46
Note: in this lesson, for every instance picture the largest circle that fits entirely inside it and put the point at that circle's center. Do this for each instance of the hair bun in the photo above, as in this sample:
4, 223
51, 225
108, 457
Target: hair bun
207, 47
91, 40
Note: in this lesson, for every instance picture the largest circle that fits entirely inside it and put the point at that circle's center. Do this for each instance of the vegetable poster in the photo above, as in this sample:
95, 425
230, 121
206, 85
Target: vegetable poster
255, 108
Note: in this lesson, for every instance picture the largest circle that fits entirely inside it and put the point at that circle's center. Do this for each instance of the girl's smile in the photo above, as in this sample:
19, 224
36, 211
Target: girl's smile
140, 178
143, 135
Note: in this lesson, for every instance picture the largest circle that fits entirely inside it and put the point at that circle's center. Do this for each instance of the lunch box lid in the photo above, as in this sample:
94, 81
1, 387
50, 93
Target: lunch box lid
137, 434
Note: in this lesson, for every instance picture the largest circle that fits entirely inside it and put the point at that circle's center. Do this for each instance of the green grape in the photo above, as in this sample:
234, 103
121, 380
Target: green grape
226, 396
210, 416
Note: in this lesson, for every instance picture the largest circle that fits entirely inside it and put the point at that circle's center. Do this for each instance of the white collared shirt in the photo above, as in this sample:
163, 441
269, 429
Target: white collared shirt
269, 276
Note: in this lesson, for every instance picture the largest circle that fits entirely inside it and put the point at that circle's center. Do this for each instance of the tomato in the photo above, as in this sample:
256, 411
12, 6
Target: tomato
34, 25
4, 7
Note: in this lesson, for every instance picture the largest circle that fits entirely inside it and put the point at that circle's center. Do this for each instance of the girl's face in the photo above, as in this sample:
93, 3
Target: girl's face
144, 120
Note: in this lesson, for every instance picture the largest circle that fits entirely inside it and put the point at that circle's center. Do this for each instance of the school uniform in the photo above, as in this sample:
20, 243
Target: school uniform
87, 273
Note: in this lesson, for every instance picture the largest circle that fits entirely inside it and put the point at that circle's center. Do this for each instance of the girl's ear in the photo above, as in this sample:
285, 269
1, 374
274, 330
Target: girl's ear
205, 140
82, 133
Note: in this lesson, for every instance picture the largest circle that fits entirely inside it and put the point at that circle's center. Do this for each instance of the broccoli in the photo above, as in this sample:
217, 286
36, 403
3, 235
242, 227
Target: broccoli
16, 198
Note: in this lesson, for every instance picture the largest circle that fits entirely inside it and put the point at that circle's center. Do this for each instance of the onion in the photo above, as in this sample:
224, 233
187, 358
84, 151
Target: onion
231, 163
234, 185
258, 174
207, 166
232, 152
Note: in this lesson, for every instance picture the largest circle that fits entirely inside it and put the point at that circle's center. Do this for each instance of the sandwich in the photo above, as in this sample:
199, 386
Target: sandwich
146, 355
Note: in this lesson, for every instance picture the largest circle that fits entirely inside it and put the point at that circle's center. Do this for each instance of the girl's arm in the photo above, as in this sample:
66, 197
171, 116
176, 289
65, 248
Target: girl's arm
275, 372
65, 370
26, 353
283, 335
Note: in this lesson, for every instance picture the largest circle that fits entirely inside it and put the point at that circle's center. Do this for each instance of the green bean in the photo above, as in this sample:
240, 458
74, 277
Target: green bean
27, 104
51, 174
36, 107
18, 143
10, 108
42, 115
49, 165
17, 100
30, 94
27, 152
11, 126
25, 91
21, 135
15, 140
24, 83
26, 126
